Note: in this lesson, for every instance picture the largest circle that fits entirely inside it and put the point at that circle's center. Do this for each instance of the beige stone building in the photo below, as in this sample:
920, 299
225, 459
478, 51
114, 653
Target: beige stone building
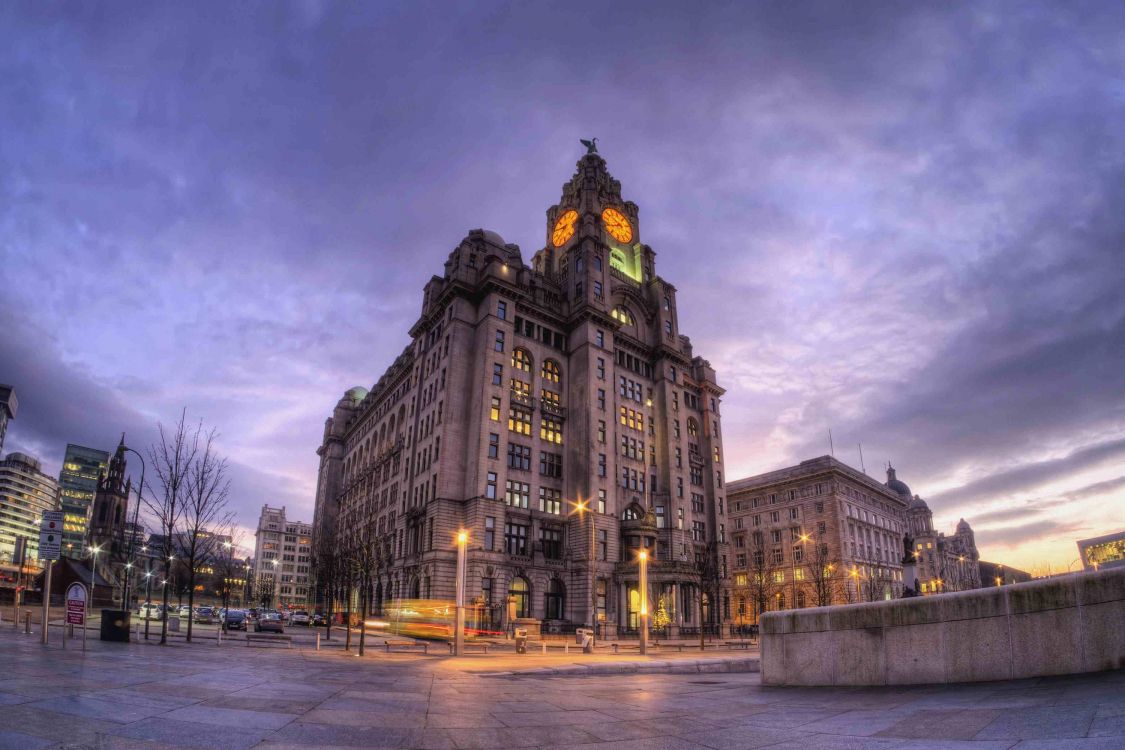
282, 567
814, 534
528, 391
824, 533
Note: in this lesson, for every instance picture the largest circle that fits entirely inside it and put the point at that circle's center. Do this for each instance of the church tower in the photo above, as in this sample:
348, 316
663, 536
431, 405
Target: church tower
107, 524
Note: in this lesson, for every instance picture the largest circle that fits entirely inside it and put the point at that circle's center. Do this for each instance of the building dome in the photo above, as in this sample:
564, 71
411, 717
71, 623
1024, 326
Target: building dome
898, 486
493, 238
917, 503
357, 394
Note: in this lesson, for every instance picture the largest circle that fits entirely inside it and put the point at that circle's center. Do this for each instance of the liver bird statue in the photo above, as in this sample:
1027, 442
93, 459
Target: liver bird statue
591, 145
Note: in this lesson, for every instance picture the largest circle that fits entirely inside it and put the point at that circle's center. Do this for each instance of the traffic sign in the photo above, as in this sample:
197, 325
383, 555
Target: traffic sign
50, 535
76, 604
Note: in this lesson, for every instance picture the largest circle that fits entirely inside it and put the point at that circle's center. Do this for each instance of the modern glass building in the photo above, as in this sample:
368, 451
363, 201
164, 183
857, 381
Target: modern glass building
1103, 551
78, 482
25, 493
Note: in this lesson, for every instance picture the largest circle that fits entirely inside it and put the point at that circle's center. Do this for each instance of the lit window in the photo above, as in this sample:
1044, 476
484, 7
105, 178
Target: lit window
622, 314
551, 371
521, 360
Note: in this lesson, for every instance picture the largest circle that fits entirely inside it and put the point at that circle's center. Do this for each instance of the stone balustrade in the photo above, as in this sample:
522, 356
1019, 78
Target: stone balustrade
1063, 625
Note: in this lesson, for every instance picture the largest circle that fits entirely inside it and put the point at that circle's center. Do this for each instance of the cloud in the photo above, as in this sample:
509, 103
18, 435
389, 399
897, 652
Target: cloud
1021, 534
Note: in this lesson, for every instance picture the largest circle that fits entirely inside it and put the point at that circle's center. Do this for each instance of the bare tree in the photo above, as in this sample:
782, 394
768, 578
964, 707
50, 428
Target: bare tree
821, 571
228, 568
365, 560
207, 490
326, 564
710, 579
171, 458
760, 579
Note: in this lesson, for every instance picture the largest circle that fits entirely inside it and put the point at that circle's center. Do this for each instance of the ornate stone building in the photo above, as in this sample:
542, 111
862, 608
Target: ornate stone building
935, 562
823, 532
109, 518
530, 391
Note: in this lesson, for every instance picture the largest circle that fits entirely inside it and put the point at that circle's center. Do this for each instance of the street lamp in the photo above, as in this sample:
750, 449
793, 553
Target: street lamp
459, 633
642, 559
148, 597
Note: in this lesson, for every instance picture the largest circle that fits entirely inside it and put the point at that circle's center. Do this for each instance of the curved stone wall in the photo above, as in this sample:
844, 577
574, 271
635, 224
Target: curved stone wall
1064, 625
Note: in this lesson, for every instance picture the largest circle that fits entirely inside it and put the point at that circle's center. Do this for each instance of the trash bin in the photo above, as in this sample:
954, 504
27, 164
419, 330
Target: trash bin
521, 640
584, 637
173, 624
115, 625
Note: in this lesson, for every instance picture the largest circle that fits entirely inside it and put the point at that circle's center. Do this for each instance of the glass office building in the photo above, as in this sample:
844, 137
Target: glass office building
78, 483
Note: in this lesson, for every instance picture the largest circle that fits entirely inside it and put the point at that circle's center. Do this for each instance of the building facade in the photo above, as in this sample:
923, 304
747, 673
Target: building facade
282, 560
814, 534
9, 405
25, 494
555, 412
1106, 551
78, 484
936, 563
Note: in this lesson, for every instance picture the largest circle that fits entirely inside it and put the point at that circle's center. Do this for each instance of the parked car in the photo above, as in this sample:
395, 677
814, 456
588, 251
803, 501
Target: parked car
270, 623
300, 617
204, 615
234, 619
151, 612
318, 619
185, 610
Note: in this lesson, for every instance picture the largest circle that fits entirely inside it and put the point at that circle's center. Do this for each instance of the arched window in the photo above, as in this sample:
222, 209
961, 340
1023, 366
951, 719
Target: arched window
521, 360
692, 428
551, 371
781, 601
631, 514
801, 600
667, 304
520, 591
555, 599
622, 314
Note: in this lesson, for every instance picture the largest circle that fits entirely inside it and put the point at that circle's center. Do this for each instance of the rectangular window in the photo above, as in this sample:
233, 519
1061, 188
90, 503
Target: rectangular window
497, 373
490, 487
499, 345
599, 337
601, 430
696, 502
601, 368
550, 464
601, 501
517, 494
519, 420
489, 532
679, 518
550, 429
601, 465
493, 445
550, 500
519, 457
778, 558
698, 531
798, 553
551, 542
603, 544
597, 290
601, 399
515, 538
794, 513
494, 410
502, 310
660, 516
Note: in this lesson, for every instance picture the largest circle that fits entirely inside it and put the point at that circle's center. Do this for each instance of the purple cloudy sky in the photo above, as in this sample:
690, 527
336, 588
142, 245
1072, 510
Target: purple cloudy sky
903, 221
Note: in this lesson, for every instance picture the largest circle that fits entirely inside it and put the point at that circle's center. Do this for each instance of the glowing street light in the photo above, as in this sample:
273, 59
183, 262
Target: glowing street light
582, 507
459, 633
642, 559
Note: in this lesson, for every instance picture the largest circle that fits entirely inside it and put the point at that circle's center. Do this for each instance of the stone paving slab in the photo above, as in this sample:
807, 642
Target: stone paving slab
132, 696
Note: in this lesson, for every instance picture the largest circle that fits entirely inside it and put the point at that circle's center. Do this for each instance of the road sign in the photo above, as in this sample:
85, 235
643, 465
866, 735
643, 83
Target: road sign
76, 604
50, 535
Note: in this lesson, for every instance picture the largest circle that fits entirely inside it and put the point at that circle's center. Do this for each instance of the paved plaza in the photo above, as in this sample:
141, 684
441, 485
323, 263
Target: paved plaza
232, 696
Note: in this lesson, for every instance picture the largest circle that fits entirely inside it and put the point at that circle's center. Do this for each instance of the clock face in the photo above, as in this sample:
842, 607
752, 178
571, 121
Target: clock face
564, 228
617, 225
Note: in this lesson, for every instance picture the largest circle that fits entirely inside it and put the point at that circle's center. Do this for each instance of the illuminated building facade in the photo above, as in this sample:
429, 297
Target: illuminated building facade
940, 563
820, 521
1103, 551
25, 493
78, 484
282, 560
555, 411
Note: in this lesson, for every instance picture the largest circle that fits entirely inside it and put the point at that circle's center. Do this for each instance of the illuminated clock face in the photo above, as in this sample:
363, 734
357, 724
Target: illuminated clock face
564, 228
617, 225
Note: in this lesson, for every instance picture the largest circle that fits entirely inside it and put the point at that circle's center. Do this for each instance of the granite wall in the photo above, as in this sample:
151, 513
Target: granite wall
1073, 623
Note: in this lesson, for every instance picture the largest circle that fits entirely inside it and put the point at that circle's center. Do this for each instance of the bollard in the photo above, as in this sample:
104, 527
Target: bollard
318, 641
219, 636
27, 623
566, 648
544, 645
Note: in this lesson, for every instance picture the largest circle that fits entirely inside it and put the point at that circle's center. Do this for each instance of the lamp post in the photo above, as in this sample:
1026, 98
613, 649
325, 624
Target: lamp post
246, 584
275, 595
228, 571
148, 597
459, 631
642, 559
133, 536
